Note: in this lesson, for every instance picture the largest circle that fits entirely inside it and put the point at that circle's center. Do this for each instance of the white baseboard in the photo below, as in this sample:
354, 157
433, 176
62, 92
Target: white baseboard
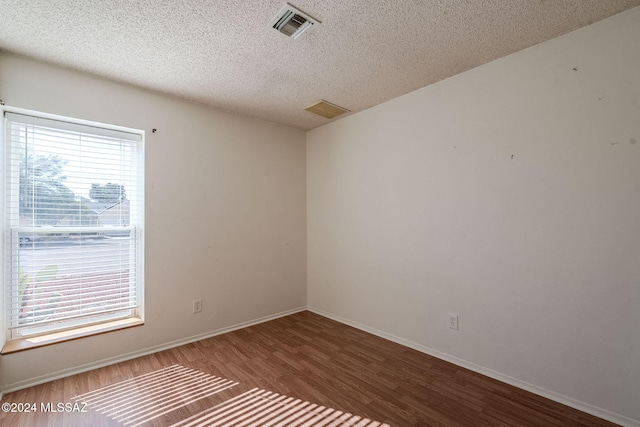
132, 355
565, 400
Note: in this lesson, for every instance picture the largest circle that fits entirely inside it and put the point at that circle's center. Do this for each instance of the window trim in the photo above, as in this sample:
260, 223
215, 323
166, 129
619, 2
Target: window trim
21, 344
10, 345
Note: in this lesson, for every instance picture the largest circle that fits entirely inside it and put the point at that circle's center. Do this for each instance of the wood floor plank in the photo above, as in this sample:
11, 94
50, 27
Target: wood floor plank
320, 362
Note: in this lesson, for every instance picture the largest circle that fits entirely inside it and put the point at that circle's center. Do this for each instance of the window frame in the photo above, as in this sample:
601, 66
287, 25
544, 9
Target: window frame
10, 343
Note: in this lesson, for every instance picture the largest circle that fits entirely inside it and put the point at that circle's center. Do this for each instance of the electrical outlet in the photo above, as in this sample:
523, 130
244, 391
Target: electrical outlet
453, 321
197, 305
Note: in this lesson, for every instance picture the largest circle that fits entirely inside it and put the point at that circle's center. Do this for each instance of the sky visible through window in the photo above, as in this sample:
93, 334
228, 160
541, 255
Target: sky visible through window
88, 159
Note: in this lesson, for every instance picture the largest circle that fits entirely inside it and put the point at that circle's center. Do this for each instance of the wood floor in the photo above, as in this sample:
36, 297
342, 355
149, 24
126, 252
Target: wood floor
322, 363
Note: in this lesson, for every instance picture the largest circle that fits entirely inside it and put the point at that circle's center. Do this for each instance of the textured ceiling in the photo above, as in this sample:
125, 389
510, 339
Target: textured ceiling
223, 54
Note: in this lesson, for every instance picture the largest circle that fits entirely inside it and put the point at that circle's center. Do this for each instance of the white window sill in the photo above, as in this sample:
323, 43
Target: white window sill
21, 344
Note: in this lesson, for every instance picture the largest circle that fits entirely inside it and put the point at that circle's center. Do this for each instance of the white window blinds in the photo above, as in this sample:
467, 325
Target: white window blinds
73, 223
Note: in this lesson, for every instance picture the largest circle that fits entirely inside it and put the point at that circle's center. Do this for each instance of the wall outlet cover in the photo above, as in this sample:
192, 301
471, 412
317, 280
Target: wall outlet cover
453, 321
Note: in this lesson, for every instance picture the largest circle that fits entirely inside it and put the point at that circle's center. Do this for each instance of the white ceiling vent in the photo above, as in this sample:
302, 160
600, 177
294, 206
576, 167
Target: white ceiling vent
292, 22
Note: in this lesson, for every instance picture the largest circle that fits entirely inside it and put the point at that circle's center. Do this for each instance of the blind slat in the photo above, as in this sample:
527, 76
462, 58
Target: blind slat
60, 125
59, 323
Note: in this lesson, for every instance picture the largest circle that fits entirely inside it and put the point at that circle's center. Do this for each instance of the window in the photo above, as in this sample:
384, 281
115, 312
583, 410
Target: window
73, 225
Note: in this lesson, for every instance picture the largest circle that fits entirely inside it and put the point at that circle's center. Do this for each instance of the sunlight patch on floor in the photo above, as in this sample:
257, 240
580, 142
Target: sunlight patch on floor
261, 408
138, 400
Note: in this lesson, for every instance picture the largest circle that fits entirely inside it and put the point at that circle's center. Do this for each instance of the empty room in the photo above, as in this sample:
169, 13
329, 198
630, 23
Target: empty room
363, 213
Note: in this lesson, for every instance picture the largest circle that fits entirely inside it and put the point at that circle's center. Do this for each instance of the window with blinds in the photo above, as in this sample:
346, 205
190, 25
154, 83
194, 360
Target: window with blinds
73, 217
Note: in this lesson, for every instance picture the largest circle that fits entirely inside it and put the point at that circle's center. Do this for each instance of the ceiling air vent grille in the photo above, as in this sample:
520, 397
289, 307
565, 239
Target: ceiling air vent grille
292, 22
326, 109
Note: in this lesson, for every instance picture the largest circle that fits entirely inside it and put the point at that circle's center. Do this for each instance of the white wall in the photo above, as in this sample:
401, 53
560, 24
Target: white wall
509, 195
225, 215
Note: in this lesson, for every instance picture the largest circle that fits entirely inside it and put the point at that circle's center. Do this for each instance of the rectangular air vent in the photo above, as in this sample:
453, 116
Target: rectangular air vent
326, 109
292, 22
